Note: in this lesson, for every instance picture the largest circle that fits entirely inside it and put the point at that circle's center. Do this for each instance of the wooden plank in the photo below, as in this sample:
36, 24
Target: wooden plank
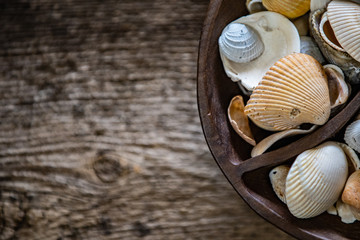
99, 131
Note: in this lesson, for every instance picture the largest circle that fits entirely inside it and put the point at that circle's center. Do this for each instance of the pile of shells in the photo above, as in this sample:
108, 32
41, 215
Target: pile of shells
296, 62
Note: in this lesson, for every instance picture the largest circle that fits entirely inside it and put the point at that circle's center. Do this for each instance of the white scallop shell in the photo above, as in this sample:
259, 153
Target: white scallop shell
240, 43
315, 180
352, 135
345, 21
294, 91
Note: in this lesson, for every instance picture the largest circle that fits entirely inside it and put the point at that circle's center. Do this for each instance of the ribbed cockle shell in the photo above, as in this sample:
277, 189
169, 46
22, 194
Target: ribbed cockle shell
345, 21
294, 91
315, 180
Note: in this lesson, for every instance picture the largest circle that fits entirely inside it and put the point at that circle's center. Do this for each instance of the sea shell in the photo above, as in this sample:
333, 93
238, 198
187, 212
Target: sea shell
344, 211
338, 89
240, 43
280, 38
349, 65
345, 21
351, 193
254, 6
288, 8
315, 180
328, 34
352, 135
267, 142
278, 180
351, 157
309, 46
294, 91
239, 120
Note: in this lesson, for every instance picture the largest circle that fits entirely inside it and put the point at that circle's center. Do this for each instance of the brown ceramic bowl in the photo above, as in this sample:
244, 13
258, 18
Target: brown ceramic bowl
249, 176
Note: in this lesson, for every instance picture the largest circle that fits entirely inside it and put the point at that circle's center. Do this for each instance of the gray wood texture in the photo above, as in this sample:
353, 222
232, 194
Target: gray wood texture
99, 130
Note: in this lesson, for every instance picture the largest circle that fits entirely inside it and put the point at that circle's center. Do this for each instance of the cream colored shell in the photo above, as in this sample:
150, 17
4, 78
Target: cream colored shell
345, 21
294, 91
352, 135
280, 38
315, 180
288, 8
278, 180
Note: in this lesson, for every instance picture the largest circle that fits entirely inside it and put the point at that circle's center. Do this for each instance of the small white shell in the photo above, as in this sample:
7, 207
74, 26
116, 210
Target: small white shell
344, 211
278, 180
309, 46
315, 180
240, 43
352, 135
345, 21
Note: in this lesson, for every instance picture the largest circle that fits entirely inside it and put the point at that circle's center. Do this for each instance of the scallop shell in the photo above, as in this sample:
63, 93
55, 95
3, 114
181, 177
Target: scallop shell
294, 91
309, 46
288, 8
240, 43
315, 180
345, 21
280, 38
352, 135
349, 65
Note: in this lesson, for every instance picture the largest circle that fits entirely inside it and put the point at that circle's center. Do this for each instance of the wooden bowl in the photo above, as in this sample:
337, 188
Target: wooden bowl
249, 176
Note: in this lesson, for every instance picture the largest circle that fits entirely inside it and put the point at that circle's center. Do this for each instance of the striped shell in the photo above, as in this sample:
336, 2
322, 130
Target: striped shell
352, 135
345, 21
288, 8
315, 180
240, 43
292, 92
348, 65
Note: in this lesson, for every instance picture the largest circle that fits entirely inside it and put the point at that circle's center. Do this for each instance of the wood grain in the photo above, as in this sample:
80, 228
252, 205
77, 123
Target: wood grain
99, 130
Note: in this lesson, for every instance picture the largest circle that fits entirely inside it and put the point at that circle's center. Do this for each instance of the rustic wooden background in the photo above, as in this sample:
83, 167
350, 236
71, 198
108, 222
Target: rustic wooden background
99, 135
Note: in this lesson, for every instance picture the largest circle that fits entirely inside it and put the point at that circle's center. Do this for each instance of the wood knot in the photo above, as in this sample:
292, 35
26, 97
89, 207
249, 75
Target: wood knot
108, 167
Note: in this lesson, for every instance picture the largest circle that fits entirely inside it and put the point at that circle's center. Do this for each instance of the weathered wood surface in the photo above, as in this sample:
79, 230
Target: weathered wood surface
99, 135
